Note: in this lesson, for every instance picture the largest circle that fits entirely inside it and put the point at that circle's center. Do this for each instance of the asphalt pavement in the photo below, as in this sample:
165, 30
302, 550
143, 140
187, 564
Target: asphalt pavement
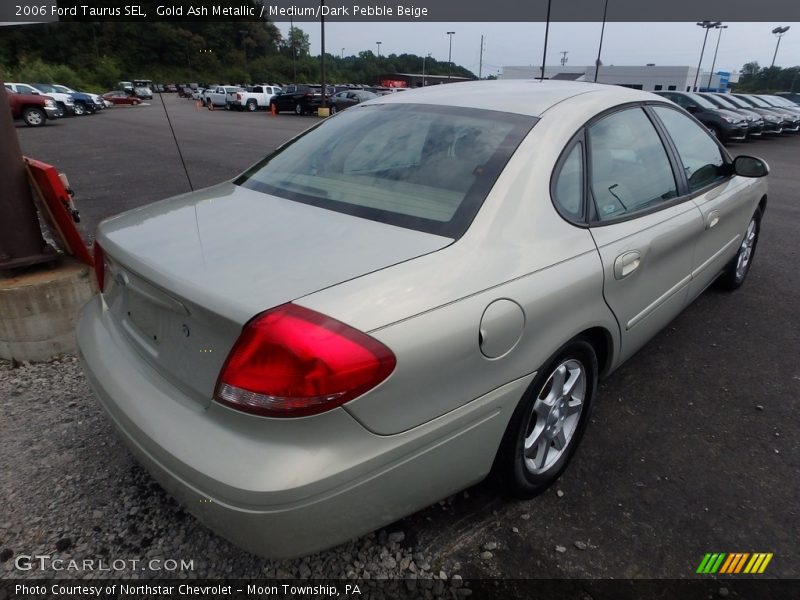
693, 445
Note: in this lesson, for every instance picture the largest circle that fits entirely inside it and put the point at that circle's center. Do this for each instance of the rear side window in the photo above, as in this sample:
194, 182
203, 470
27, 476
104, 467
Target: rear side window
629, 167
701, 157
422, 167
568, 189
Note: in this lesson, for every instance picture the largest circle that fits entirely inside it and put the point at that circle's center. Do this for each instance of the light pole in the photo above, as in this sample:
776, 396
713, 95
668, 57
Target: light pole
714, 62
450, 55
294, 52
342, 53
705, 25
379, 49
778, 31
423, 68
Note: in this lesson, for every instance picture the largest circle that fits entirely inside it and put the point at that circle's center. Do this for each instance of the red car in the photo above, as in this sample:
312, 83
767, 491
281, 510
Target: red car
34, 110
120, 97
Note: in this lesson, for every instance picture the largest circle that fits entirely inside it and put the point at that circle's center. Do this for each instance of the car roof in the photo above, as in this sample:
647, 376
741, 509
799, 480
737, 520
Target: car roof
527, 97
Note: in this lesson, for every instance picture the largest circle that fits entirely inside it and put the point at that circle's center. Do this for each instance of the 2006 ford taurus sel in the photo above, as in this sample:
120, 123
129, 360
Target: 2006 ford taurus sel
417, 292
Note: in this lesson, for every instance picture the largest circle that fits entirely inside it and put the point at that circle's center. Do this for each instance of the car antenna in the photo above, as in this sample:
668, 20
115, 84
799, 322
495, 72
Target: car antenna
174, 137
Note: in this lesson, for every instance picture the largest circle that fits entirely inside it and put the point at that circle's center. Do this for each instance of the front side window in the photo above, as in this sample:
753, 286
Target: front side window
629, 167
422, 167
701, 157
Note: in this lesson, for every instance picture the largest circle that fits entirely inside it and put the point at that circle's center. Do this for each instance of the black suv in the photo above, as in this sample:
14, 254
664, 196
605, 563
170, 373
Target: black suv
724, 125
301, 99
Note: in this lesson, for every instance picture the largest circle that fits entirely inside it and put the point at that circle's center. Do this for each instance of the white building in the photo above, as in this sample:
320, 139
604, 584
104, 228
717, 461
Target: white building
650, 78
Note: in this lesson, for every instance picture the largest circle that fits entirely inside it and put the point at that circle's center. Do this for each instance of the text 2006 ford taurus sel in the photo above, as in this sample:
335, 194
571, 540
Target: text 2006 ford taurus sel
420, 290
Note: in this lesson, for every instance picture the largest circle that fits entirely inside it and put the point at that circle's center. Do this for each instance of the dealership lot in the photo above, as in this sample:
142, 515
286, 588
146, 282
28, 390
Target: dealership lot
693, 445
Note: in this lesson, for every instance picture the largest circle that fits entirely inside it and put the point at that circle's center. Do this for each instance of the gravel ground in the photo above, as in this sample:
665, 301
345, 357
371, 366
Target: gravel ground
114, 510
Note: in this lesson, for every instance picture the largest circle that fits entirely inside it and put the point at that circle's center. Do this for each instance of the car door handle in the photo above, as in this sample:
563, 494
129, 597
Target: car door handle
627, 263
712, 219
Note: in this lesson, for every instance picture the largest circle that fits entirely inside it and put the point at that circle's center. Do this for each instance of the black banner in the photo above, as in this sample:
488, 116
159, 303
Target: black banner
21, 11
511, 589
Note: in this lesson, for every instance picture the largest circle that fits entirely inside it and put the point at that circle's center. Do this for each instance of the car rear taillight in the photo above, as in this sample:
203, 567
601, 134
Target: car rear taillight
100, 266
291, 361
238, 96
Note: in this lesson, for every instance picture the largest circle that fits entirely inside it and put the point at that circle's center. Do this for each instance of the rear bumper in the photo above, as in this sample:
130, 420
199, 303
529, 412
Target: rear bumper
285, 487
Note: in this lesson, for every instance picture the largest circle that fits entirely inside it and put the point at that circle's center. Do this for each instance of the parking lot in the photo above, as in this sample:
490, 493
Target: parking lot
693, 445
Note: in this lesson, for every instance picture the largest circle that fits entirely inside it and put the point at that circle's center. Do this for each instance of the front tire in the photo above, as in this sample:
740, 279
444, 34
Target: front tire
333, 109
298, 109
549, 421
135, 102
252, 106
736, 272
34, 117
80, 109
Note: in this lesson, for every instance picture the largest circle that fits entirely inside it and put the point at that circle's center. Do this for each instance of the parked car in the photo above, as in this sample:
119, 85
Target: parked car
725, 125
64, 102
773, 122
778, 102
121, 97
349, 98
33, 109
220, 95
171, 88
755, 122
85, 103
406, 298
254, 97
793, 97
299, 99
790, 120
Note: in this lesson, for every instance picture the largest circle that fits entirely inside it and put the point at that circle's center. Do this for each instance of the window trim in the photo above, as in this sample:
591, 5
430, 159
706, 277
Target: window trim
590, 217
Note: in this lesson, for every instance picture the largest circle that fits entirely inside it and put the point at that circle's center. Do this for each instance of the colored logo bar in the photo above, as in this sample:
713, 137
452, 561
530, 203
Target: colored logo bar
734, 562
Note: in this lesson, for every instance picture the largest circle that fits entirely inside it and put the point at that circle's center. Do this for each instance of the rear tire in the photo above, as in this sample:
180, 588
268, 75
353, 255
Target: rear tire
333, 109
298, 109
135, 102
80, 109
34, 117
549, 421
736, 272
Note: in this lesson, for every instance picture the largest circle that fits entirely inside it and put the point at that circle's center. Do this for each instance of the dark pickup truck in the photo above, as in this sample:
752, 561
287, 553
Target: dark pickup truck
300, 99
34, 110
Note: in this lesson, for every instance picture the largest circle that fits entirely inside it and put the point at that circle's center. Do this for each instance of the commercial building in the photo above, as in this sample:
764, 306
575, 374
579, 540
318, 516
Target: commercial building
650, 78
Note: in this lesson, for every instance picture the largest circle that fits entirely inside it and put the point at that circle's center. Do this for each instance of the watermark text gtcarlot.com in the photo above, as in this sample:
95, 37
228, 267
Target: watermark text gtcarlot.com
45, 562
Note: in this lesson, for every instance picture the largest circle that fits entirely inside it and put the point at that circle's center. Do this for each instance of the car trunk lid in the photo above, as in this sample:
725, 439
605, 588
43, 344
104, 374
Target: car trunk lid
187, 273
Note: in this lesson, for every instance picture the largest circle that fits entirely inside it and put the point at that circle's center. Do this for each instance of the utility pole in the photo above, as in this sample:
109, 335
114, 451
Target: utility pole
379, 49
21, 242
423, 68
323, 104
450, 55
480, 62
564, 58
294, 51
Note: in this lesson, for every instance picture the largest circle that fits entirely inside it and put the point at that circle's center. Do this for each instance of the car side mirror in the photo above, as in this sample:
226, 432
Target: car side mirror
750, 166
692, 108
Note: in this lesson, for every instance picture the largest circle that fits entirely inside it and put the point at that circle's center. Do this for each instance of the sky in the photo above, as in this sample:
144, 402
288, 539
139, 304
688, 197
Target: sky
517, 44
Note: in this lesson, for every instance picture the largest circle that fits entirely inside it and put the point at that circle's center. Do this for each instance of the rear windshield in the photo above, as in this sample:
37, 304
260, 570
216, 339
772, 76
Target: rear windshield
427, 168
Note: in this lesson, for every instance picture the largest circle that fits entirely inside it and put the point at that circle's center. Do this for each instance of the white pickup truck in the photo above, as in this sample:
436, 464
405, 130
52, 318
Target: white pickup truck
220, 95
255, 97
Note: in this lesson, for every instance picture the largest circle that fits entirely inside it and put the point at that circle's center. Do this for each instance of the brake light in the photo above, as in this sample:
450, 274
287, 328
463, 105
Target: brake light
291, 361
238, 96
100, 266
